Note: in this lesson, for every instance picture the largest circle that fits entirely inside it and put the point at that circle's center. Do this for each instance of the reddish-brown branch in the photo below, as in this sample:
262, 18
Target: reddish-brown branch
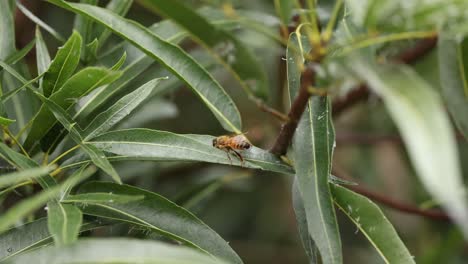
392, 203
361, 93
297, 108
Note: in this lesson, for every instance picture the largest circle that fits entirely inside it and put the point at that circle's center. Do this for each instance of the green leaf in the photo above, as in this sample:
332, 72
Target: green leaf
7, 27
22, 163
63, 65
302, 225
453, 67
146, 144
284, 9
6, 121
119, 7
42, 55
31, 204
237, 58
84, 26
312, 153
370, 220
90, 51
39, 22
64, 222
96, 155
102, 197
172, 57
159, 215
27, 174
426, 130
33, 235
106, 120
77, 86
20, 54
113, 250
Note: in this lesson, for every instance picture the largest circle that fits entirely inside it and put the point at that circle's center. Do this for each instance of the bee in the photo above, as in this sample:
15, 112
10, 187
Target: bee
232, 144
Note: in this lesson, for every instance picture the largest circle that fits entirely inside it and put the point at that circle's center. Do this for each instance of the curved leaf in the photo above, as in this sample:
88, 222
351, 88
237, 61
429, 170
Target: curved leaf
101, 197
7, 27
17, 177
426, 130
172, 57
106, 120
312, 153
33, 235
77, 86
63, 65
368, 217
453, 67
42, 55
235, 55
64, 222
159, 215
125, 251
162, 145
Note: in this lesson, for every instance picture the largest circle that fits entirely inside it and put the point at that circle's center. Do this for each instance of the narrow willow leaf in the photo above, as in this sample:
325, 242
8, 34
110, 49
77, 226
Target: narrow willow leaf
7, 27
31, 204
63, 65
284, 9
27, 174
172, 57
84, 26
453, 67
39, 22
96, 155
64, 222
20, 54
77, 86
90, 51
106, 120
370, 220
236, 57
426, 130
33, 235
85, 198
22, 163
119, 7
302, 226
149, 144
159, 215
312, 153
42, 55
112, 250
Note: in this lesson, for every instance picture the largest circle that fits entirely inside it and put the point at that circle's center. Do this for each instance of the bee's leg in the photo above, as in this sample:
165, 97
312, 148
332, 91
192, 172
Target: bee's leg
239, 156
229, 156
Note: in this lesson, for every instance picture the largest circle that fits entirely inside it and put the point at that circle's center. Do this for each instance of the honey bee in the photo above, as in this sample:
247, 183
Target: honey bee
232, 144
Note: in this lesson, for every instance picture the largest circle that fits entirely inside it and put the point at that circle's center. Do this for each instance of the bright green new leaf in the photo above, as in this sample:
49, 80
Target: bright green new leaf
64, 222
453, 67
370, 220
312, 153
63, 65
146, 144
426, 130
160, 215
77, 86
114, 250
6, 121
172, 57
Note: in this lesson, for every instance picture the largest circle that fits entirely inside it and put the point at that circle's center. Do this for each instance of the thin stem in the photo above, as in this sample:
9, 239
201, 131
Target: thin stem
332, 22
64, 154
388, 38
7, 131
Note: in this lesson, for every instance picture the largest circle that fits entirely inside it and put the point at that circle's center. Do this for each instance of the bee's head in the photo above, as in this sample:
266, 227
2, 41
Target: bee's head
215, 142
